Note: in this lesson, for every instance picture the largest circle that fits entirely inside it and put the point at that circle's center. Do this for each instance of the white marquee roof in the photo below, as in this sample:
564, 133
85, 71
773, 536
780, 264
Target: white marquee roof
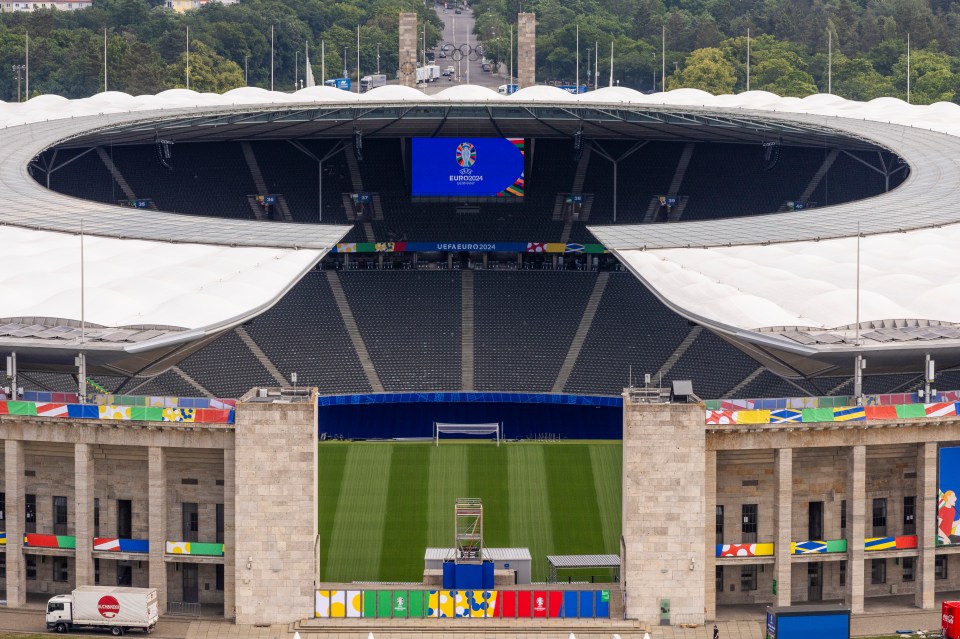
760, 272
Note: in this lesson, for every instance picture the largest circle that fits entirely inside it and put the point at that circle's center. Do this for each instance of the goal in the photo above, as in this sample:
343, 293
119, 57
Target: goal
495, 428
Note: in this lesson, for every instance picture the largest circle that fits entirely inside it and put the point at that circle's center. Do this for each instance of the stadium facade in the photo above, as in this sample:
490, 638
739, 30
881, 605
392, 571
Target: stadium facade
810, 311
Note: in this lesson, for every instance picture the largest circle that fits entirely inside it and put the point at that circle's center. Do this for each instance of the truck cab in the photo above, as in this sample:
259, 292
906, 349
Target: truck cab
60, 612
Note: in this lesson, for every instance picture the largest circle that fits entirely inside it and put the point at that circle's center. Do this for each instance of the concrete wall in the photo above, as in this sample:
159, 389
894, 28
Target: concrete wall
276, 505
663, 511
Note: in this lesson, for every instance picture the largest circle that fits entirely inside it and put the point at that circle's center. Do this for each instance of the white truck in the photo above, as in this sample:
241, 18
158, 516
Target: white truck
428, 73
116, 609
368, 82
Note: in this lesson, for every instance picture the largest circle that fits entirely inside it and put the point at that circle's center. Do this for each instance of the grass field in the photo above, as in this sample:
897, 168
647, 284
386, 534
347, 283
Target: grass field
381, 504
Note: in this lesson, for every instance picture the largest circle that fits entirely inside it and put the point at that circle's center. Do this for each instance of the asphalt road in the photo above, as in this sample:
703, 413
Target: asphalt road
458, 31
31, 620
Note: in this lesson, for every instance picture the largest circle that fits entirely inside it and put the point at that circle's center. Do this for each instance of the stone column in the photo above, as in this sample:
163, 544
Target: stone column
710, 550
783, 523
15, 488
84, 482
157, 501
526, 49
276, 501
663, 536
856, 527
926, 524
230, 559
408, 50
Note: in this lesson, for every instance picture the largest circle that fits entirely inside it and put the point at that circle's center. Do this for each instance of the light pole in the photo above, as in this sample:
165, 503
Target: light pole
246, 71
18, 70
296, 69
378, 58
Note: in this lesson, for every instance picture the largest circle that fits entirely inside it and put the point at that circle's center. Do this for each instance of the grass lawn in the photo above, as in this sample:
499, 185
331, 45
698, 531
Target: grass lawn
381, 504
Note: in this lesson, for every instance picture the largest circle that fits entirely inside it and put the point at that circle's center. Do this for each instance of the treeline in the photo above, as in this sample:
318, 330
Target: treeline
706, 44
147, 44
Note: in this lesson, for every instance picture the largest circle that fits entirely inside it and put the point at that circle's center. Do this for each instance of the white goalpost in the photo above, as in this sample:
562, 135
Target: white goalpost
495, 428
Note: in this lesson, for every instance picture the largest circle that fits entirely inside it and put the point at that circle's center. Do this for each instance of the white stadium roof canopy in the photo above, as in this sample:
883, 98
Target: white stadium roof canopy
784, 283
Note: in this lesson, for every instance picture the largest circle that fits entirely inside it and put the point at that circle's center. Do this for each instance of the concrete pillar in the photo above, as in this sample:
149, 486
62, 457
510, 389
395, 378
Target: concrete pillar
710, 550
783, 523
157, 502
408, 50
526, 49
663, 536
15, 488
926, 524
276, 501
84, 482
856, 527
230, 568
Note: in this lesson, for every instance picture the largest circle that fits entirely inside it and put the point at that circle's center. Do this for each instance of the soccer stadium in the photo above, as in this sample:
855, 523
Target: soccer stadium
620, 359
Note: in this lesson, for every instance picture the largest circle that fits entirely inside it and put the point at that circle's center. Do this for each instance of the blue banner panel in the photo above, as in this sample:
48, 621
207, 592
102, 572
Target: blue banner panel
586, 604
452, 397
804, 627
570, 607
524, 420
467, 167
948, 519
602, 608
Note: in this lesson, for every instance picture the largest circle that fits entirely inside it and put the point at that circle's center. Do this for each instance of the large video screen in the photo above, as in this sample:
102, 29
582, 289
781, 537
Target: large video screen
467, 167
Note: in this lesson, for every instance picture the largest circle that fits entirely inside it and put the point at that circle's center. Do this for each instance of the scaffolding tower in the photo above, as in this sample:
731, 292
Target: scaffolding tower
468, 524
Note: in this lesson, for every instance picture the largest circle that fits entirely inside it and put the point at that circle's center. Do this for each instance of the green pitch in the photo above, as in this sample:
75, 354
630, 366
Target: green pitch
381, 504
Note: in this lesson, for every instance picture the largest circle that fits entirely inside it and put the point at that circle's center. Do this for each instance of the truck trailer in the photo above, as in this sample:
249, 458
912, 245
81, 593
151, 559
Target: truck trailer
116, 609
368, 82
429, 73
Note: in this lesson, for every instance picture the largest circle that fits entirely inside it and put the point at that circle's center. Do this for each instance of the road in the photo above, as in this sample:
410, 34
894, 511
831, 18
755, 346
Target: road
458, 31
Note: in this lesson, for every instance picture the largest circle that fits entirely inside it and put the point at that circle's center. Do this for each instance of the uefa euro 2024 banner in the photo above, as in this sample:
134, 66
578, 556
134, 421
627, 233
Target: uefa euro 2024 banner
467, 167
948, 518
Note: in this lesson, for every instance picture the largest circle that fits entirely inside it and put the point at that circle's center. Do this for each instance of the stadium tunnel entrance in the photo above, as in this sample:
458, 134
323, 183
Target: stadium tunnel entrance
522, 415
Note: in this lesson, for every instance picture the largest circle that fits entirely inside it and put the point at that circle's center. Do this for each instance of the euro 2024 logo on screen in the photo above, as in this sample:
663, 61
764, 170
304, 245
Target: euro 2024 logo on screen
466, 157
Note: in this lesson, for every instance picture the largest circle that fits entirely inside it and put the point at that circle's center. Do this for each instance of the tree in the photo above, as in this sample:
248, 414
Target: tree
209, 72
705, 69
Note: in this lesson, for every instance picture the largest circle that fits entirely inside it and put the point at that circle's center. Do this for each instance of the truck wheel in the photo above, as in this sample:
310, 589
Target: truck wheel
61, 628
116, 631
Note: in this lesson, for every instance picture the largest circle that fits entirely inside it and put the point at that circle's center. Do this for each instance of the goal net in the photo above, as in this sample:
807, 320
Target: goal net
440, 428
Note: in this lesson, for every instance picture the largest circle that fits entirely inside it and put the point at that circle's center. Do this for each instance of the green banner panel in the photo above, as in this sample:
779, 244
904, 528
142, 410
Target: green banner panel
415, 603
370, 604
837, 545
66, 542
811, 415
210, 550
906, 411
384, 603
401, 605
21, 408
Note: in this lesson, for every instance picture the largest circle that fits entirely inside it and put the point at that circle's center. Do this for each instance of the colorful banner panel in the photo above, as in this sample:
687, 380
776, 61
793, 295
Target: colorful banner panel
471, 604
129, 400
35, 540
747, 416
837, 401
818, 547
906, 542
473, 247
745, 550
194, 548
114, 544
118, 412
948, 519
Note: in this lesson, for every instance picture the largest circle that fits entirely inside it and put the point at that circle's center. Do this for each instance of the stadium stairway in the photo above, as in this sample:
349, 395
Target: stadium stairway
355, 178
117, 176
188, 379
743, 383
576, 344
351, 323
467, 333
681, 168
261, 356
261, 184
678, 353
822, 171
